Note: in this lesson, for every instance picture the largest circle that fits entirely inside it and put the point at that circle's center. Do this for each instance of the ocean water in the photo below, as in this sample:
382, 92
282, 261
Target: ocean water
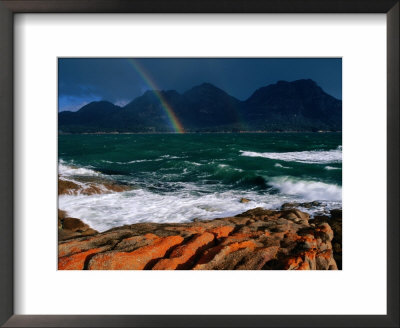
179, 177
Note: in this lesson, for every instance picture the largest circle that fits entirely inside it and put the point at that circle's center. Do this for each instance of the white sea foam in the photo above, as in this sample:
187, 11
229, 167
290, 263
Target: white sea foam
307, 190
79, 183
331, 168
105, 211
193, 163
171, 157
133, 161
281, 166
70, 170
309, 157
84, 186
228, 168
141, 161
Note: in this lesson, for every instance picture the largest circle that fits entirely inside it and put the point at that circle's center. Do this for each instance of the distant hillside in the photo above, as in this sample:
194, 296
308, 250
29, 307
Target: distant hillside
285, 106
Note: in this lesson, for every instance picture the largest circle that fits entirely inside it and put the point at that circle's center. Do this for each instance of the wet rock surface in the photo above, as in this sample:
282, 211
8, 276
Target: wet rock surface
292, 205
254, 240
71, 227
66, 187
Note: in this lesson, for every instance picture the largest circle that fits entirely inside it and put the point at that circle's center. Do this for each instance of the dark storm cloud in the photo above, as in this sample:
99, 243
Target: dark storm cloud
82, 80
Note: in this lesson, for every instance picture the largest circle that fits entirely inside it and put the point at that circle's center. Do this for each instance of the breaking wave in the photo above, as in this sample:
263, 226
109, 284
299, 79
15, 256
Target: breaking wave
71, 170
309, 157
307, 190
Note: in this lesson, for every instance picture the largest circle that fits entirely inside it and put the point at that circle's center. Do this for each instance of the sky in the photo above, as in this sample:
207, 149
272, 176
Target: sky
120, 80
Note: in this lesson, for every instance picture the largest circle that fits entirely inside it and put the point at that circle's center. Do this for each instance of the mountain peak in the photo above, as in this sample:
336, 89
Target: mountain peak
98, 102
301, 82
208, 85
304, 86
205, 86
96, 105
299, 105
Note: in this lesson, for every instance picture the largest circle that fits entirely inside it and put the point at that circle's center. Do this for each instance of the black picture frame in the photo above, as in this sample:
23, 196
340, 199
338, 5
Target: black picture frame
10, 7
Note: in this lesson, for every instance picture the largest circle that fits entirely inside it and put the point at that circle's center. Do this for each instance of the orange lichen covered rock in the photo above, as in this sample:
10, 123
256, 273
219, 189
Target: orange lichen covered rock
311, 260
304, 266
257, 259
214, 255
335, 222
184, 253
254, 240
325, 260
191, 229
151, 236
220, 232
136, 260
237, 237
77, 261
74, 246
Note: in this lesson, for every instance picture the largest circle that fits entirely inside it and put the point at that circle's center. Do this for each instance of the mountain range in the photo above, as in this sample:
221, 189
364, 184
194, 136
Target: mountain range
284, 106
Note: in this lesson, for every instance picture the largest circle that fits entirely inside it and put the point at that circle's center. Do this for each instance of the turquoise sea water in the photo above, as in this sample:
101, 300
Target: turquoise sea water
179, 177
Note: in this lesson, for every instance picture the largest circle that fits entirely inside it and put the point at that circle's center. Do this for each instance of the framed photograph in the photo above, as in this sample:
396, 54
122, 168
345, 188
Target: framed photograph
217, 164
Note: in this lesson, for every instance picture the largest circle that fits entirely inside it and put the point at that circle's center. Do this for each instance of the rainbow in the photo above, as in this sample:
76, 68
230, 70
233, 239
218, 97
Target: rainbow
177, 126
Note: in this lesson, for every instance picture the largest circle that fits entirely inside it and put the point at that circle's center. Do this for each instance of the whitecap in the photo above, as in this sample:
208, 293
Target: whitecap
281, 166
309, 157
307, 190
193, 163
135, 161
106, 211
331, 168
68, 170
171, 157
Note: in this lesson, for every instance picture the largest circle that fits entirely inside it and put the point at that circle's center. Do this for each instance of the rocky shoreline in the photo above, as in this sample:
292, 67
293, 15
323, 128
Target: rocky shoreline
89, 187
257, 239
285, 239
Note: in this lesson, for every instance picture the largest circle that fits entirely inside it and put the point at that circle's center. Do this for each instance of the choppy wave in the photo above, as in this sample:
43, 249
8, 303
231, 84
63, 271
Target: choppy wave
309, 157
141, 161
191, 200
106, 211
307, 190
133, 161
171, 157
70, 170
229, 168
331, 168
281, 166
193, 163
161, 158
199, 186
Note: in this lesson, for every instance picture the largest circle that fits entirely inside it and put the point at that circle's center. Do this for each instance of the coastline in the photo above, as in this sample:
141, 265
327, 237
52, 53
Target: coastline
230, 228
257, 239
